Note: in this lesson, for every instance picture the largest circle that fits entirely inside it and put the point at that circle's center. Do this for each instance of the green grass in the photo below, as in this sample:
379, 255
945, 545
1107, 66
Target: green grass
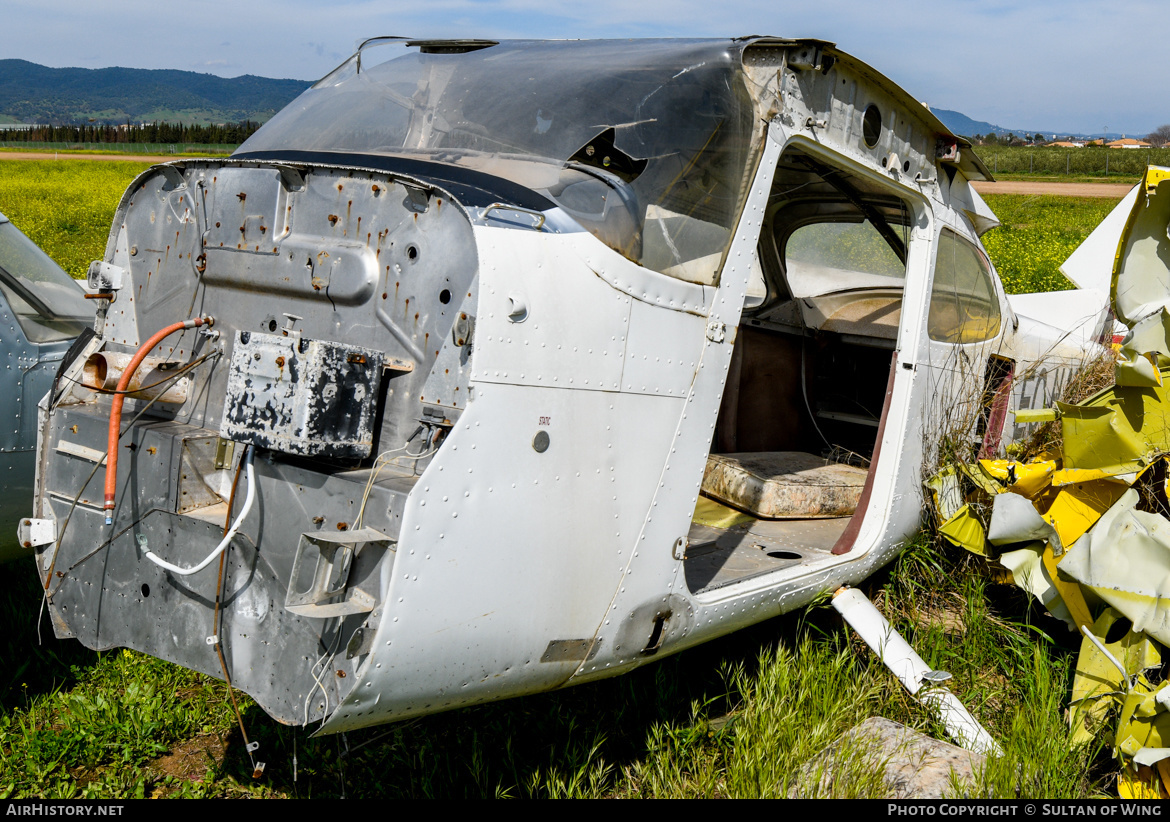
737, 717
1037, 234
65, 206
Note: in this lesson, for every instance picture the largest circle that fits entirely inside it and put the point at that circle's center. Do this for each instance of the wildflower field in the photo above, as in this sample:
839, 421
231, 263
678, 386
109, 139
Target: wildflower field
1036, 235
735, 718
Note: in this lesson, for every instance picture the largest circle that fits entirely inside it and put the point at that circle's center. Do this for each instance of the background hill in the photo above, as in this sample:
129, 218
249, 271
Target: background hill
31, 93
963, 125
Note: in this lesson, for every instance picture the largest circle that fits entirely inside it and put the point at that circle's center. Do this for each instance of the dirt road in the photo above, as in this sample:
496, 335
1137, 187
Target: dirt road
1113, 191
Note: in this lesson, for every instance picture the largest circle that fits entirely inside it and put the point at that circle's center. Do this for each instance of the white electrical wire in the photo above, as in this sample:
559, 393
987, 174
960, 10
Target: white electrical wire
175, 569
381, 462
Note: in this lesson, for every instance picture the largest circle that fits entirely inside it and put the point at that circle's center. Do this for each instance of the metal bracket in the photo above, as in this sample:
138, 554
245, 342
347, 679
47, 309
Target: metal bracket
328, 593
463, 329
362, 641
33, 533
716, 331
515, 216
103, 276
225, 452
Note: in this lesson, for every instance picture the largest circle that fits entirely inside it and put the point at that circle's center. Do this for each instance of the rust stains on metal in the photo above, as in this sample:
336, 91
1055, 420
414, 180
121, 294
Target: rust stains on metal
242, 196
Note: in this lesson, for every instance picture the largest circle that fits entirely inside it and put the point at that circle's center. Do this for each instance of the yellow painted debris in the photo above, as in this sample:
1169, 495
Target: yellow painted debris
1138, 370
1078, 507
1075, 476
1025, 415
984, 481
1118, 433
1033, 478
964, 530
1142, 724
1125, 560
947, 492
1028, 572
1078, 535
1098, 685
1069, 592
1135, 651
1136, 787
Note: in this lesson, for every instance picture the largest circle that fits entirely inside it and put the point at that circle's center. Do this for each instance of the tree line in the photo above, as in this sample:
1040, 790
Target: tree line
1157, 138
162, 132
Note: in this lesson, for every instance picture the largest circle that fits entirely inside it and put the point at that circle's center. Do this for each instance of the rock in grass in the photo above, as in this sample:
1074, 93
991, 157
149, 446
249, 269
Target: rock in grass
880, 758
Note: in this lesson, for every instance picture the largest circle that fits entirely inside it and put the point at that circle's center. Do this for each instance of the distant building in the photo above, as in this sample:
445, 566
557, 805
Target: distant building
1128, 142
1067, 144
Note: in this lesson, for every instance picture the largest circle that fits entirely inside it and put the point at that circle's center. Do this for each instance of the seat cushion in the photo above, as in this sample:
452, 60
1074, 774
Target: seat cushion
784, 484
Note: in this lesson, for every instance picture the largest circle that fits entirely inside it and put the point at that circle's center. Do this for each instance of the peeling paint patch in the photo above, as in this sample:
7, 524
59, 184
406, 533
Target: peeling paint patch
300, 396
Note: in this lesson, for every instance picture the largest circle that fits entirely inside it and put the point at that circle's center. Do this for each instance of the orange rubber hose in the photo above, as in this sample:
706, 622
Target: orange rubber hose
120, 397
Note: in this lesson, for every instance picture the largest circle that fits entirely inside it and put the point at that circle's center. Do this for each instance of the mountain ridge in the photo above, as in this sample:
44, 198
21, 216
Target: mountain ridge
32, 93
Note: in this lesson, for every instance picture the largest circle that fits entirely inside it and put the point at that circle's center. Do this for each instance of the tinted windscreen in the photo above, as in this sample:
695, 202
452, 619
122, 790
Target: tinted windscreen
665, 125
47, 302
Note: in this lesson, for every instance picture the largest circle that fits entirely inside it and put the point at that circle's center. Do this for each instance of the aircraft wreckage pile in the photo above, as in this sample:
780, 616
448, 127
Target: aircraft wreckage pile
1083, 527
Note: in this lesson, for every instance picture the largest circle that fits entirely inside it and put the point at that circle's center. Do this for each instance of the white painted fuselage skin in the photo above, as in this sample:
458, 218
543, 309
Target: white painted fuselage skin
571, 398
623, 369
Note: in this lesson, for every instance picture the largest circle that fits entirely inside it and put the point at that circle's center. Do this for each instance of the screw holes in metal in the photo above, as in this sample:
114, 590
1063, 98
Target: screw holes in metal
444, 296
145, 590
412, 252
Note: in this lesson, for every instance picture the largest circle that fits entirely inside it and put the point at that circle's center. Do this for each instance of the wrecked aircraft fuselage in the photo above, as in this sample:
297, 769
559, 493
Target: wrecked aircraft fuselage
520, 364
42, 310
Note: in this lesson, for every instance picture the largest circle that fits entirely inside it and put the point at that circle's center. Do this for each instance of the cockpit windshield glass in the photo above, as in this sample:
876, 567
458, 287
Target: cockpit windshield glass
48, 303
648, 145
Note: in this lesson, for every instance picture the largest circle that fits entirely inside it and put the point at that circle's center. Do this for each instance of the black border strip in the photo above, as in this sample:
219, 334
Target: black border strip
472, 188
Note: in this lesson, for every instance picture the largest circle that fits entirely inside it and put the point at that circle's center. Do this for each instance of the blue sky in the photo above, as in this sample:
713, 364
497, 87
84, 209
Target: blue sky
1069, 65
